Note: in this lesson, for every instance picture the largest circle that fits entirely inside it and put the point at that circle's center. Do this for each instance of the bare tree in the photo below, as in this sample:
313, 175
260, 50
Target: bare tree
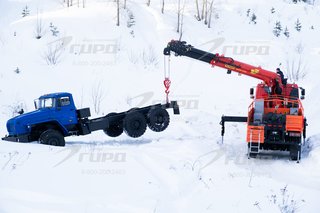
181, 24
296, 69
118, 12
17, 108
148, 3
97, 97
179, 11
210, 13
53, 53
149, 57
39, 27
206, 12
202, 12
180, 17
83, 3
198, 12
162, 7
299, 48
133, 57
125, 4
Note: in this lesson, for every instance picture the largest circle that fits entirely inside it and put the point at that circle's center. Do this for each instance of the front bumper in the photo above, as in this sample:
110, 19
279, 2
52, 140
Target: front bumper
20, 138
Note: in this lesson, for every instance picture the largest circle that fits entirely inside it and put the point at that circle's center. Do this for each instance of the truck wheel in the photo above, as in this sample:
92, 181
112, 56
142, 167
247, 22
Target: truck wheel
253, 155
295, 152
134, 124
304, 129
158, 119
115, 128
52, 137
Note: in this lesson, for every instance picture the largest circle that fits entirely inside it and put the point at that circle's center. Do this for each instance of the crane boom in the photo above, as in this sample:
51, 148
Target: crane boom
271, 79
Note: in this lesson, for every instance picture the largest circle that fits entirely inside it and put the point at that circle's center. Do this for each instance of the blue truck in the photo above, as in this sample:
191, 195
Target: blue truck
56, 117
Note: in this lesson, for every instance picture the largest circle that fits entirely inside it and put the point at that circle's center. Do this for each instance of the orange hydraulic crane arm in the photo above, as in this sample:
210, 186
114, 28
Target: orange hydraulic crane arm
271, 79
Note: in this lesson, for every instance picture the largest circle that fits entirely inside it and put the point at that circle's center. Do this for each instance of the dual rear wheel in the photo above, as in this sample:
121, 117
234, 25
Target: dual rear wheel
135, 123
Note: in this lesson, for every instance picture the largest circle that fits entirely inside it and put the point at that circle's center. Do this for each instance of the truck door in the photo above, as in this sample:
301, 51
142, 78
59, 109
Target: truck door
66, 112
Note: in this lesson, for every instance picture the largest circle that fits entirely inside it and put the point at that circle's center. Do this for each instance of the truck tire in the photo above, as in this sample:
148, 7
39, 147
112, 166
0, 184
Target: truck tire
134, 124
52, 137
295, 152
158, 119
253, 155
115, 128
304, 134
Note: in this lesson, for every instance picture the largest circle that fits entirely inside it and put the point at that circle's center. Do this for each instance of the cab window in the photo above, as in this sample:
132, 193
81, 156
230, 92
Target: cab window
64, 101
44, 103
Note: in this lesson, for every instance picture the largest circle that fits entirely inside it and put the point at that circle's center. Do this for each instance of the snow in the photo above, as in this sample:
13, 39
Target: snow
183, 169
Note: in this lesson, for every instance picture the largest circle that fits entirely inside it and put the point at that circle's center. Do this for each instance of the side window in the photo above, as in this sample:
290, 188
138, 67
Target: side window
64, 101
48, 102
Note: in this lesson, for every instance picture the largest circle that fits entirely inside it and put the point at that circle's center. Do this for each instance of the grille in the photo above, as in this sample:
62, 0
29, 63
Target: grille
11, 127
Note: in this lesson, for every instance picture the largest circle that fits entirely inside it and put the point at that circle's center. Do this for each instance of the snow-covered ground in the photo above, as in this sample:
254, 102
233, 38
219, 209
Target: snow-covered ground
185, 168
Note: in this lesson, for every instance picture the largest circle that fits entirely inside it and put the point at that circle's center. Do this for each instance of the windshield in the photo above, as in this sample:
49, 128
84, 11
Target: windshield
44, 103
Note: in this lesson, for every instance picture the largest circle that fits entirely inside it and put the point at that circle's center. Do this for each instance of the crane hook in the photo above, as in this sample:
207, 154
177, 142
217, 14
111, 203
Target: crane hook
167, 81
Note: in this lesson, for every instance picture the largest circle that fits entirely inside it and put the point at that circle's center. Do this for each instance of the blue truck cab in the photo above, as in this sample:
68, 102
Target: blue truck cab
55, 111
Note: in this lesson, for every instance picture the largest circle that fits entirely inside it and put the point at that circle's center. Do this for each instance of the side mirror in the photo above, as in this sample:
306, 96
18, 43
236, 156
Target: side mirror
303, 93
252, 93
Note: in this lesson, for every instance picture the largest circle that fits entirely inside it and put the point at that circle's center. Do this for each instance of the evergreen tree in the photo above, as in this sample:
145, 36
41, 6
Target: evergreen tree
25, 11
17, 70
277, 29
253, 18
286, 32
273, 10
298, 25
248, 12
54, 30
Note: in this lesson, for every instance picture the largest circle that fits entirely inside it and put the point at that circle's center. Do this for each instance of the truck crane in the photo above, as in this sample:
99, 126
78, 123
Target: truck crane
275, 119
